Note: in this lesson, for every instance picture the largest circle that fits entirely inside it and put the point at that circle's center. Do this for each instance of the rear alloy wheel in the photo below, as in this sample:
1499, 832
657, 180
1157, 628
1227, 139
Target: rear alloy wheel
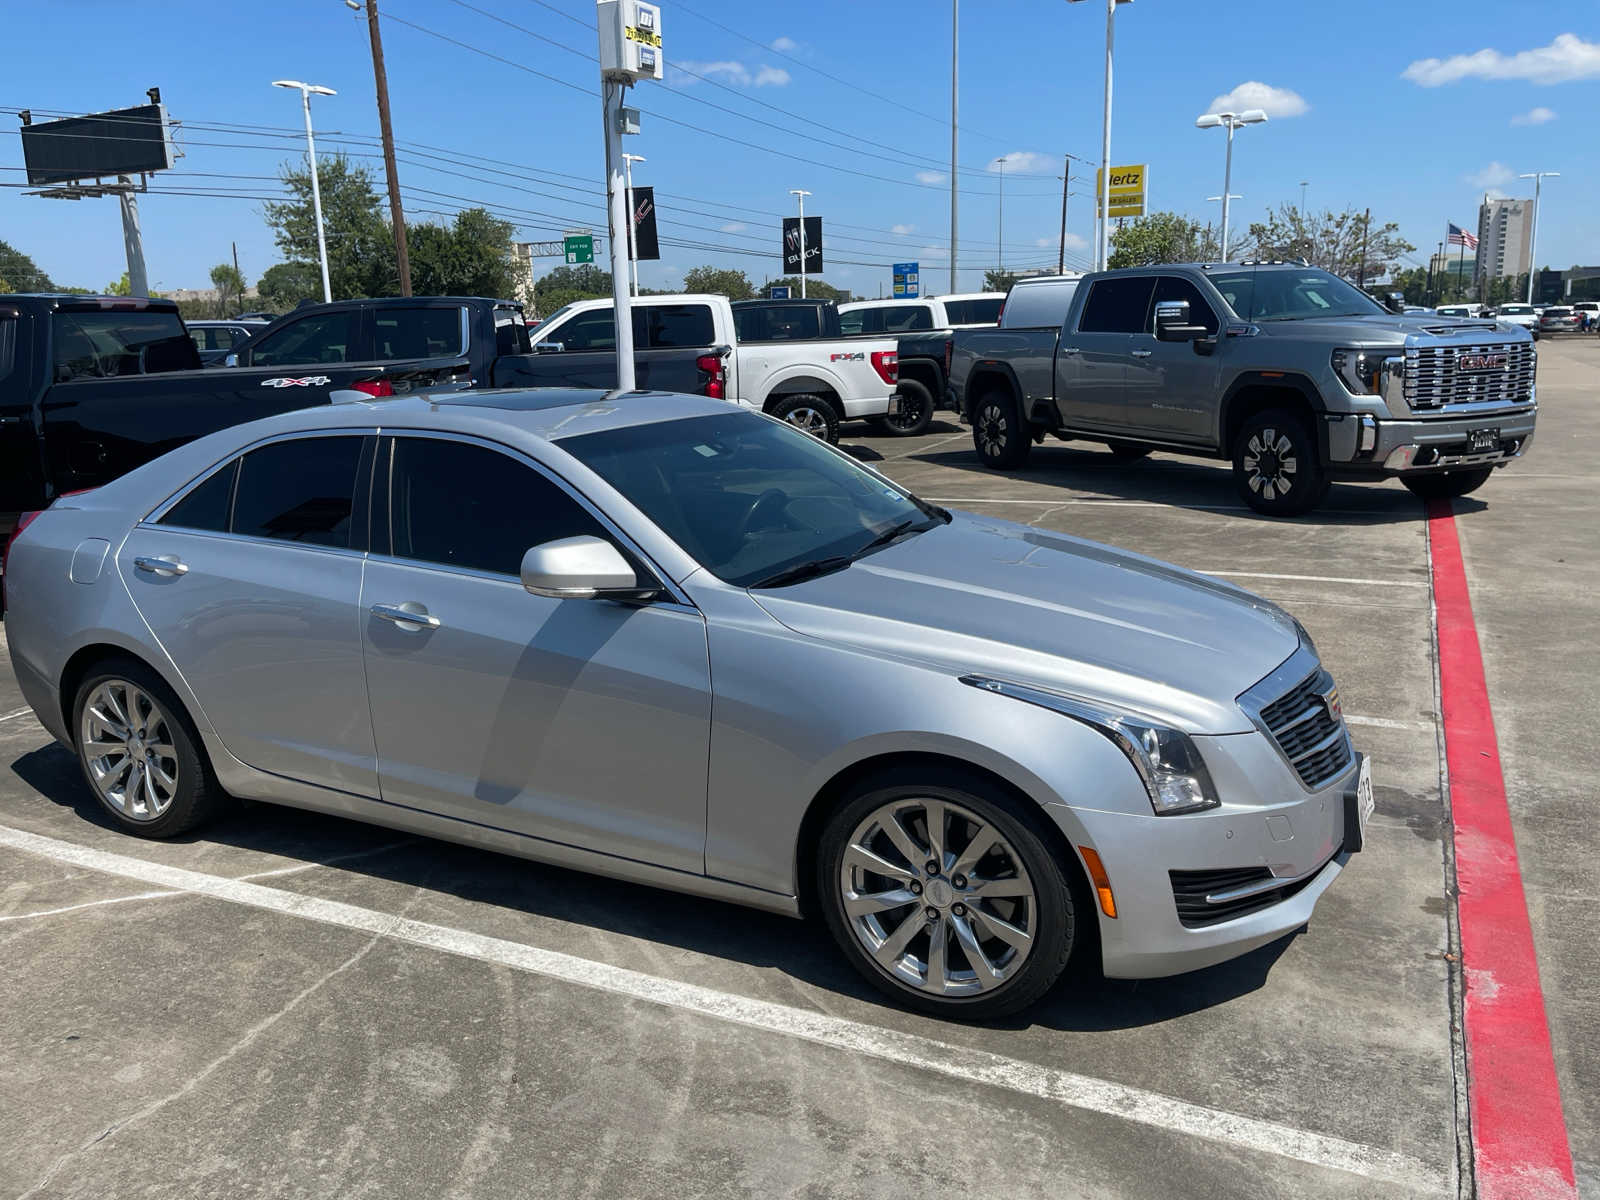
1447, 485
1276, 467
916, 410
998, 434
810, 413
945, 898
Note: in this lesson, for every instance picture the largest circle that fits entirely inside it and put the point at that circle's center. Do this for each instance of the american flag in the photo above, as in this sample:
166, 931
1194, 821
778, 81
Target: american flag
1460, 237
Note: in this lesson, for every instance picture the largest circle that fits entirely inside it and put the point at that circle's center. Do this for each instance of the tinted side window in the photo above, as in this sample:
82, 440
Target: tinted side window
593, 330
1117, 305
467, 506
861, 320
906, 318
510, 332
674, 325
98, 344
323, 338
976, 312
207, 505
416, 332
780, 324
1039, 305
302, 490
1175, 287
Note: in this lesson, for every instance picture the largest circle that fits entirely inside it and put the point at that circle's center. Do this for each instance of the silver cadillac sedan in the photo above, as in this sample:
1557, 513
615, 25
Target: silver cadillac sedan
649, 636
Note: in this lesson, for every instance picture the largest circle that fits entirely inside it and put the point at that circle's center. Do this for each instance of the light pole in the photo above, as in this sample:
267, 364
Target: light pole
307, 90
955, 37
800, 195
1304, 183
1230, 122
633, 245
1000, 254
1538, 178
1105, 137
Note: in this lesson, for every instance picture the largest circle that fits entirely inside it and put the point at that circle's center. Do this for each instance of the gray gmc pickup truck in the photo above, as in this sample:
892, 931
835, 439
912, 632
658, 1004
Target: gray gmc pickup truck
1290, 372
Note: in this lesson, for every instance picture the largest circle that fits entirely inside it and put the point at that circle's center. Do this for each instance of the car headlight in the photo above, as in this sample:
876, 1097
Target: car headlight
1362, 370
1166, 759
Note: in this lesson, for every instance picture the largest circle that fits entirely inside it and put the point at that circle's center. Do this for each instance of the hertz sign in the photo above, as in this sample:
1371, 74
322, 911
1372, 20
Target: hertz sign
1128, 195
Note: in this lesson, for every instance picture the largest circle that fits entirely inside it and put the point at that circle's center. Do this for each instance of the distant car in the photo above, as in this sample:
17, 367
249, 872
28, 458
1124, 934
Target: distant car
970, 310
1589, 309
258, 316
1560, 319
1524, 315
1467, 311
215, 339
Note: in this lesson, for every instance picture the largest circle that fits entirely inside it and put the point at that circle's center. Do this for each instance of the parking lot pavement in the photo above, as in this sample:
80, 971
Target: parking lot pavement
290, 1004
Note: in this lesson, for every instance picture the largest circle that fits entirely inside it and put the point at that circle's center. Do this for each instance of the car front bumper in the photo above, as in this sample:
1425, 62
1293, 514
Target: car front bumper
1367, 445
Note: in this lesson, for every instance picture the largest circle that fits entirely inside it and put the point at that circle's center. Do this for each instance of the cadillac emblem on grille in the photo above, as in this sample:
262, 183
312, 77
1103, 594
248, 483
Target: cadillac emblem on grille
1330, 701
1481, 362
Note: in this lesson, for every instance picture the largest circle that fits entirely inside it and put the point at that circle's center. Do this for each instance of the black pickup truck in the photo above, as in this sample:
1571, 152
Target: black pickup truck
93, 386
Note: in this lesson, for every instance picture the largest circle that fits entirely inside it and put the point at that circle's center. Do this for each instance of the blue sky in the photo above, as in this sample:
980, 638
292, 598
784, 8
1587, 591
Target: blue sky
1414, 108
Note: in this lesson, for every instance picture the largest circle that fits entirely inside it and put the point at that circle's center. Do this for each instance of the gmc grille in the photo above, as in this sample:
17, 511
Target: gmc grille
1310, 734
1435, 376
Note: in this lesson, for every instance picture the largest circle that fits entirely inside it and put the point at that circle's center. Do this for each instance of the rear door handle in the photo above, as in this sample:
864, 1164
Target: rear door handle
1141, 354
167, 565
407, 618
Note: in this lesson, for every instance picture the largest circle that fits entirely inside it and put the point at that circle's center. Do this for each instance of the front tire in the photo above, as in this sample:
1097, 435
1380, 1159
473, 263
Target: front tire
140, 753
813, 414
946, 896
1276, 467
1448, 485
999, 435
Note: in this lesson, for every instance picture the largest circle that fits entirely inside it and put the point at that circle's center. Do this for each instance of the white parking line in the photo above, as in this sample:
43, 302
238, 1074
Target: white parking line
1420, 583
905, 1049
1389, 723
12, 716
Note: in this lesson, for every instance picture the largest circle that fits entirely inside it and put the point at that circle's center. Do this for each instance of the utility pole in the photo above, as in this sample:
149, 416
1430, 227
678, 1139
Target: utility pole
801, 195
955, 38
1361, 271
1538, 178
1105, 146
1428, 292
237, 274
618, 217
132, 238
633, 248
1061, 250
397, 217
1000, 233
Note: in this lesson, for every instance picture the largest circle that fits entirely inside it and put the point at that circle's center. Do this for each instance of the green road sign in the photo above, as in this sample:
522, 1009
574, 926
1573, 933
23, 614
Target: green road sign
580, 249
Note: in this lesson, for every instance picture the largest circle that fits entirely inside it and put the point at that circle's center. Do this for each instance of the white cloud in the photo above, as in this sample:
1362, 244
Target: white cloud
931, 177
1567, 58
733, 227
933, 252
1274, 101
785, 44
1074, 242
1023, 162
902, 230
1534, 116
728, 71
1495, 175
772, 77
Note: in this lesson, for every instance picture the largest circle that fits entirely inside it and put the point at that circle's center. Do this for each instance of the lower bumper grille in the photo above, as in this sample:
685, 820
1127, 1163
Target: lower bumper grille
1191, 889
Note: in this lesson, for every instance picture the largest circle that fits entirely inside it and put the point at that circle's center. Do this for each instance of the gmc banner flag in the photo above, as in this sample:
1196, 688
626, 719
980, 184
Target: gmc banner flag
642, 243
791, 246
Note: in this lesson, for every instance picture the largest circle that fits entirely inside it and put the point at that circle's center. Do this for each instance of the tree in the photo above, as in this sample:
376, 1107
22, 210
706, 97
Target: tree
997, 280
1335, 242
360, 247
286, 285
564, 284
1162, 237
815, 288
470, 257
230, 285
735, 285
19, 273
1413, 285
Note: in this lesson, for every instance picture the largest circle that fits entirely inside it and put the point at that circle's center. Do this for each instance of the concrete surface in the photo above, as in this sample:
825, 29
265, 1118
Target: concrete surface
170, 1040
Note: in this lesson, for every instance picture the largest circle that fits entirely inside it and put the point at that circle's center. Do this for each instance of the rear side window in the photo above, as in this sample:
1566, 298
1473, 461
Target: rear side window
1039, 305
907, 318
460, 505
669, 326
98, 345
302, 490
399, 333
322, 338
1117, 305
9, 327
510, 332
861, 320
592, 330
977, 312
779, 324
207, 505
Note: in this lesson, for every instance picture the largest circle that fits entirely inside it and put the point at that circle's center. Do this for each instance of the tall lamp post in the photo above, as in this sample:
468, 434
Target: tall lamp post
1230, 122
1538, 178
1105, 136
955, 39
1000, 254
633, 244
800, 195
308, 90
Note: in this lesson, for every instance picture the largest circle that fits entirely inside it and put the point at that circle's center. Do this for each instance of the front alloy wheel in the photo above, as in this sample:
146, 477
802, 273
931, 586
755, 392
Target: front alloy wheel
1276, 467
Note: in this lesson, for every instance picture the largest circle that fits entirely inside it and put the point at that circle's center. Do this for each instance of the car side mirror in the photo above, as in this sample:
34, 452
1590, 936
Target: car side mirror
1395, 302
548, 348
577, 568
1172, 322
231, 361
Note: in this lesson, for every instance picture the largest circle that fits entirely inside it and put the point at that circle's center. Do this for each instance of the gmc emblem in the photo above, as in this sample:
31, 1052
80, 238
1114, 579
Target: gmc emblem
1481, 362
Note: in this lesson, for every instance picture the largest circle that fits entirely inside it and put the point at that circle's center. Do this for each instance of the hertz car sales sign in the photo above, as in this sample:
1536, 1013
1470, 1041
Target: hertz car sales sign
1128, 196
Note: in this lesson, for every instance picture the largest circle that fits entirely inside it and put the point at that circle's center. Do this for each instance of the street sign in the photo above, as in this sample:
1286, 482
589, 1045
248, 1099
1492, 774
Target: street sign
777, 293
579, 248
906, 281
1129, 190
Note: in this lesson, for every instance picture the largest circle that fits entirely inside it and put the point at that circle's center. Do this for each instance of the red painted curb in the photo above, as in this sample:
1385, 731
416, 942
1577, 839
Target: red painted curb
1519, 1133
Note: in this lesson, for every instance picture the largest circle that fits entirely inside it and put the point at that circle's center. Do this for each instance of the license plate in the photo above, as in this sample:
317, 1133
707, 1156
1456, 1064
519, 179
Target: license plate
1482, 440
1358, 808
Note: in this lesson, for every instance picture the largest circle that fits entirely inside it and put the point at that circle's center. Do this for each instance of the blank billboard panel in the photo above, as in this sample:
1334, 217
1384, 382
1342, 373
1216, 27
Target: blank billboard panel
125, 142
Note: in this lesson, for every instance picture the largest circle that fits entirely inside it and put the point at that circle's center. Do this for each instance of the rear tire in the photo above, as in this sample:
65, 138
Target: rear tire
916, 410
1447, 486
1275, 465
814, 414
999, 435
1129, 450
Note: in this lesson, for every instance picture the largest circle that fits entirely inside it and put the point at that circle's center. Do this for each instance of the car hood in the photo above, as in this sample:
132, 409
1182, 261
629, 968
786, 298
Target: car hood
994, 598
1378, 329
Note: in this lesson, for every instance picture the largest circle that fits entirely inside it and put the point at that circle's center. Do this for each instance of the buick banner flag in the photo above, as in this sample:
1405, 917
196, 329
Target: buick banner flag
642, 243
791, 246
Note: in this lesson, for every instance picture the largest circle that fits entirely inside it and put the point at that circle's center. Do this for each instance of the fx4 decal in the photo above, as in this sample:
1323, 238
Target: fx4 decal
858, 356
283, 381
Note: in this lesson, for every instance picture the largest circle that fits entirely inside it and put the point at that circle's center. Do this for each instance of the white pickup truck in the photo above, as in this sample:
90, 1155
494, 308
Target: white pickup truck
814, 383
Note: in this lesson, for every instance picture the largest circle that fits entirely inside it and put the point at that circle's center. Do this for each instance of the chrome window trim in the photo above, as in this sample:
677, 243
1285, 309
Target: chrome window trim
1284, 677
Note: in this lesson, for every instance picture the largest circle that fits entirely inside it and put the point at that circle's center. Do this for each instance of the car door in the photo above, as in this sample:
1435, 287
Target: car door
585, 722
1092, 360
1171, 387
250, 580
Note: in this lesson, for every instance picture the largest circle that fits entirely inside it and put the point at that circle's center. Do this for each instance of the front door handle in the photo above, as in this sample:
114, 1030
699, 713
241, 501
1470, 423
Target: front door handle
1141, 354
168, 565
410, 619
1071, 350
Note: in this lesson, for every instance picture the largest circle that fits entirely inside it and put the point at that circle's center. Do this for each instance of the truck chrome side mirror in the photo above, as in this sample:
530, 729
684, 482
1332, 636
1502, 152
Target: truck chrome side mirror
548, 348
1172, 322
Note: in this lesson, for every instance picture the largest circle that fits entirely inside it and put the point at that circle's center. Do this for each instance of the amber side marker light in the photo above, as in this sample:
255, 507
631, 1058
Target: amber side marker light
1102, 882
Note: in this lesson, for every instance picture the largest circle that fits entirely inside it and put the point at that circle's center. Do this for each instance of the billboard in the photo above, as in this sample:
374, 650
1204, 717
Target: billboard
1128, 190
643, 226
128, 141
906, 280
791, 246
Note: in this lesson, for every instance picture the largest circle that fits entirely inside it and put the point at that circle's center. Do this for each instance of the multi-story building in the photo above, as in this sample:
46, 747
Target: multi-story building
1505, 235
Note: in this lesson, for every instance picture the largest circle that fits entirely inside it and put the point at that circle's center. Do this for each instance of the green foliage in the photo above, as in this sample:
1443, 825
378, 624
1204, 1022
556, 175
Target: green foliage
563, 285
815, 288
997, 280
230, 285
1162, 237
470, 257
285, 285
360, 249
717, 281
1413, 285
119, 287
19, 273
1335, 242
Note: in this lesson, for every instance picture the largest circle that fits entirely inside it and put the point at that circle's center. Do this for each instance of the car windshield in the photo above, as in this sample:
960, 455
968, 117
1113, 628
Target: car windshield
1516, 310
1279, 294
754, 501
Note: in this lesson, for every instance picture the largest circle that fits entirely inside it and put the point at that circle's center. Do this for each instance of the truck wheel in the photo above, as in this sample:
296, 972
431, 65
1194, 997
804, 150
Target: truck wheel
1276, 467
1129, 450
1447, 486
811, 413
916, 411
998, 433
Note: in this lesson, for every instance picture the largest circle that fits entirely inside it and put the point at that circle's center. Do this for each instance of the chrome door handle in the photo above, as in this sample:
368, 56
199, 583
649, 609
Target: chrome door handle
404, 616
1141, 354
1071, 350
161, 566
